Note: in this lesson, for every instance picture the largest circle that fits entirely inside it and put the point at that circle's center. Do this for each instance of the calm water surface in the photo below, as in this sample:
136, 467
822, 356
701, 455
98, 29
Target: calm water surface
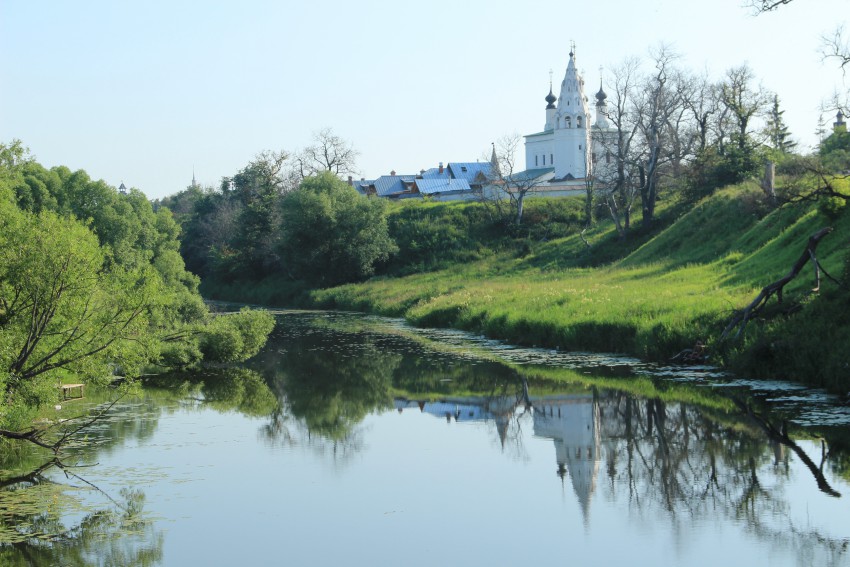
356, 440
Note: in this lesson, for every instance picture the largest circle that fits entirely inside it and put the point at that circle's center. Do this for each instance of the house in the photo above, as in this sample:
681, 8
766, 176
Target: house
458, 181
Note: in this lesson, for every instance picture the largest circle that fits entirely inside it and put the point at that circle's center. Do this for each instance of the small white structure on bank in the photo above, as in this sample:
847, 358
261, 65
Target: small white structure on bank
570, 146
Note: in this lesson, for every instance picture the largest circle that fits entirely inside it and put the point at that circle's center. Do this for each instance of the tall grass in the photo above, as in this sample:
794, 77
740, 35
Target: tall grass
667, 290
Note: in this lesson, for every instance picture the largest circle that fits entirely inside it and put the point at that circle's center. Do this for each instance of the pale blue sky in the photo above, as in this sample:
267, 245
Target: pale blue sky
142, 92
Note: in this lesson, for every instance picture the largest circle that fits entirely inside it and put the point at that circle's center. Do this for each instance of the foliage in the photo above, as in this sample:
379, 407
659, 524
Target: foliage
834, 151
235, 337
716, 167
59, 309
330, 234
433, 235
92, 285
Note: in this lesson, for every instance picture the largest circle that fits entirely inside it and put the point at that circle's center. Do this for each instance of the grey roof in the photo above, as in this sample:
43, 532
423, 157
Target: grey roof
532, 174
431, 186
469, 170
362, 186
391, 184
434, 173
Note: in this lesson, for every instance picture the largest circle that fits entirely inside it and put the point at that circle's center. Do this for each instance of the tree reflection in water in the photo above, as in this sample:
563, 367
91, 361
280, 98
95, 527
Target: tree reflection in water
41, 525
47, 522
682, 461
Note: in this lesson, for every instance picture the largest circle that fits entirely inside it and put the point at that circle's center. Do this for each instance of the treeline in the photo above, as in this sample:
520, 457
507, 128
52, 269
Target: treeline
673, 131
92, 285
250, 240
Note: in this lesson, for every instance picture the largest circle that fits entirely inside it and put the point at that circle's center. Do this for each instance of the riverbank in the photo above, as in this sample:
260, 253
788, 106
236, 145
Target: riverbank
650, 295
679, 287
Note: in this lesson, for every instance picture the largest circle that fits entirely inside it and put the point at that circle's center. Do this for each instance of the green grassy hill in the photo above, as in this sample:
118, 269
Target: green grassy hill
651, 295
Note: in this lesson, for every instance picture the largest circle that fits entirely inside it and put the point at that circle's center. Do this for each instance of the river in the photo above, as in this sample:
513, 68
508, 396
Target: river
357, 440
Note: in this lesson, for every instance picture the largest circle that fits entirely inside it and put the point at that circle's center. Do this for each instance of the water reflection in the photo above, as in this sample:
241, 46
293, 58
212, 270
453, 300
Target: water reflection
661, 453
52, 514
692, 462
41, 525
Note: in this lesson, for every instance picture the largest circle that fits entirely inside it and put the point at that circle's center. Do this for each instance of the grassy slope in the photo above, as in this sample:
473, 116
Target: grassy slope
675, 287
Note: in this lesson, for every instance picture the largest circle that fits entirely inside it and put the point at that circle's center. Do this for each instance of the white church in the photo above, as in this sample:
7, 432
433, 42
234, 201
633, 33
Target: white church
572, 143
558, 160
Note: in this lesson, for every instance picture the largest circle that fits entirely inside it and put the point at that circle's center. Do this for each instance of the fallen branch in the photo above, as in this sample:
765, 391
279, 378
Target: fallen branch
742, 317
781, 436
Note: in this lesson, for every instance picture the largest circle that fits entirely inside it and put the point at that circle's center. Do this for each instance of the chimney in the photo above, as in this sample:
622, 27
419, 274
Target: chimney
392, 173
421, 172
350, 181
441, 168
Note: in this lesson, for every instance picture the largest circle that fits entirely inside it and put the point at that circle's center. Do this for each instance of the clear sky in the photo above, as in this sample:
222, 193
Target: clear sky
143, 92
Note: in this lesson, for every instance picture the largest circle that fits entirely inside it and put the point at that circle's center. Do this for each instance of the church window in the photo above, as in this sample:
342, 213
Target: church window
593, 157
551, 159
608, 157
566, 122
535, 161
544, 159
578, 122
579, 146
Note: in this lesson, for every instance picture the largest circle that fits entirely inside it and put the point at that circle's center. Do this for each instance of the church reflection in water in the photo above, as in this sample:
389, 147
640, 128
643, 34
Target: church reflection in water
572, 422
573, 425
689, 458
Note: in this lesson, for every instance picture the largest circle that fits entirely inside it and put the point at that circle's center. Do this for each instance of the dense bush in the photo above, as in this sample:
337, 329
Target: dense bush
330, 234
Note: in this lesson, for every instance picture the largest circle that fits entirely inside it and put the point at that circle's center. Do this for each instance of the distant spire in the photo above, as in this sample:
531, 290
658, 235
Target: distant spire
194, 183
494, 162
122, 188
839, 125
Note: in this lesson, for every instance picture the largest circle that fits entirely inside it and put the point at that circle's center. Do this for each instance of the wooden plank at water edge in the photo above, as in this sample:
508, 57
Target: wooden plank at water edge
68, 390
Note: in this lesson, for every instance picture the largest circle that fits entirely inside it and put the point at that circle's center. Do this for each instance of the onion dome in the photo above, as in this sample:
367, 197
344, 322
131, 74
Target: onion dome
550, 98
601, 96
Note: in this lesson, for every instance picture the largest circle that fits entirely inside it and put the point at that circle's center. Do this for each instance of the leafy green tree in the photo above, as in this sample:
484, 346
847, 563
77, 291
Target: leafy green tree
60, 310
209, 232
86, 297
330, 234
259, 187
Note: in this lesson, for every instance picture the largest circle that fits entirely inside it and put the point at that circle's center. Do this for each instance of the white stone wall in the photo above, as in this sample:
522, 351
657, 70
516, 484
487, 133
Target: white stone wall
539, 149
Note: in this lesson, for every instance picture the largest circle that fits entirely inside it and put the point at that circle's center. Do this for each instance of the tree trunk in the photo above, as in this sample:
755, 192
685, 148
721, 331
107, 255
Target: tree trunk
519, 204
768, 183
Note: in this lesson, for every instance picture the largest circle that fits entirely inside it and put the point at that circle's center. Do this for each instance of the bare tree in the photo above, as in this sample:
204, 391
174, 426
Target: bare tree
616, 182
767, 5
659, 113
328, 152
743, 101
507, 182
700, 98
837, 47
